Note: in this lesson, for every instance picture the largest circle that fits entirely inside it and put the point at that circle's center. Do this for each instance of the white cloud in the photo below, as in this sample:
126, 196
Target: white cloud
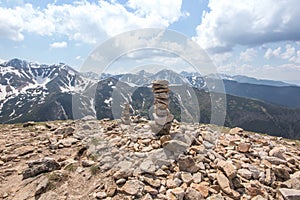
272, 72
251, 22
296, 58
11, 24
248, 55
289, 52
87, 22
78, 57
221, 58
272, 53
167, 9
56, 45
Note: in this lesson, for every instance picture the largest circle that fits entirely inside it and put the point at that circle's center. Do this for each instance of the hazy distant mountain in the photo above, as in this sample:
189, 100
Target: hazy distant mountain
251, 80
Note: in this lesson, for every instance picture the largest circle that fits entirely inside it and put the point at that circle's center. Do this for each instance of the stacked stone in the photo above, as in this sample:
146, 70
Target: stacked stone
162, 115
126, 114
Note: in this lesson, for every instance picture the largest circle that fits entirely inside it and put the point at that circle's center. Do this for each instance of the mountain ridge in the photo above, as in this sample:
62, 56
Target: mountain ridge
61, 91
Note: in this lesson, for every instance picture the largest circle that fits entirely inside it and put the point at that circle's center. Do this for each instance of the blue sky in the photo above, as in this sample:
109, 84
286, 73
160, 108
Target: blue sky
249, 37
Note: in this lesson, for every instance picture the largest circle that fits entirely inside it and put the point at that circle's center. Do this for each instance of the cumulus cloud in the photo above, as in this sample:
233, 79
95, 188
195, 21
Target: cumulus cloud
167, 9
221, 58
289, 52
252, 22
296, 58
11, 24
273, 53
56, 45
248, 55
87, 22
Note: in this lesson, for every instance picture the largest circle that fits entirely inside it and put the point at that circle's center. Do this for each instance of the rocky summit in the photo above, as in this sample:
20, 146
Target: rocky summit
105, 159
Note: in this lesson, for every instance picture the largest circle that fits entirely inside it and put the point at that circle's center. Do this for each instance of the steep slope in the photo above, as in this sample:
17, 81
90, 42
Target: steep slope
286, 95
28, 90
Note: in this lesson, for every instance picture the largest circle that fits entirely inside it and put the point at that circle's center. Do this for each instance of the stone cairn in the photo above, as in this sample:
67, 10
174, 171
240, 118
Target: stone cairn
126, 114
162, 116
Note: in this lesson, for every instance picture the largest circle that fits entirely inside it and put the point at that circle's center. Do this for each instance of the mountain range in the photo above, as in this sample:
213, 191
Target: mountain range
30, 91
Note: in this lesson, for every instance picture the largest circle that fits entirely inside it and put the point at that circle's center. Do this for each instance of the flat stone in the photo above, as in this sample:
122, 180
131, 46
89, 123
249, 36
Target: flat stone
161, 172
41, 187
161, 90
150, 190
101, 195
293, 183
277, 152
21, 151
67, 142
201, 188
223, 182
290, 194
162, 95
236, 130
275, 160
87, 163
187, 164
209, 136
171, 183
243, 147
281, 172
162, 120
197, 177
208, 145
245, 173
192, 194
160, 106
153, 182
178, 193
175, 146
186, 177
228, 168
160, 82
147, 166
164, 139
133, 187
125, 169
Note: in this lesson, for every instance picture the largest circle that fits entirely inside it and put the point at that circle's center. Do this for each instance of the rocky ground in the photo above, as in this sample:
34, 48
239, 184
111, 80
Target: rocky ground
92, 159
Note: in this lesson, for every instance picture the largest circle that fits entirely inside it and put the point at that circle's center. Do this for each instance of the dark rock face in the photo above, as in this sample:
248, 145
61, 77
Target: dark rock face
40, 166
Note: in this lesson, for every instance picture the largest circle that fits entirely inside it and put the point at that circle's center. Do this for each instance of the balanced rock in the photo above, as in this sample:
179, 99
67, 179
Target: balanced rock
162, 116
126, 114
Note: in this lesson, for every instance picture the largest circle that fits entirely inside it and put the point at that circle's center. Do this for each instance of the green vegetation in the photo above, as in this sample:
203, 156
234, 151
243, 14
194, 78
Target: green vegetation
55, 180
71, 167
94, 169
